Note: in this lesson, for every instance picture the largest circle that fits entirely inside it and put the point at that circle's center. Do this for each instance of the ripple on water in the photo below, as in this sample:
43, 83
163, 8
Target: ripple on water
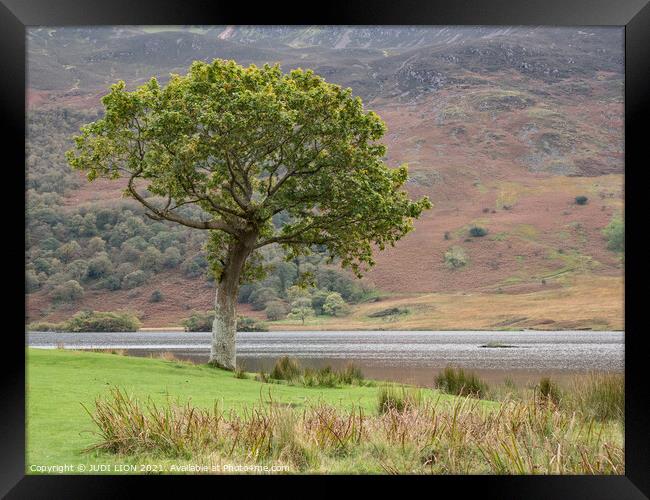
561, 350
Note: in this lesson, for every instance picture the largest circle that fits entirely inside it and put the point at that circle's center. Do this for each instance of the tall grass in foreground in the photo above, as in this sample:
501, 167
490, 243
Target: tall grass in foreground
286, 368
519, 437
391, 398
599, 395
289, 369
549, 391
460, 383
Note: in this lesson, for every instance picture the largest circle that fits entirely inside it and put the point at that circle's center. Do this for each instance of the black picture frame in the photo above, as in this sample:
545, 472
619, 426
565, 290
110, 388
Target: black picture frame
634, 15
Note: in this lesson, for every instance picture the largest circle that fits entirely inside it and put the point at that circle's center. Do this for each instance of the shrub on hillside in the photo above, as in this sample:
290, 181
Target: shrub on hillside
202, 322
156, 296
43, 326
335, 305
199, 322
581, 200
246, 324
90, 321
260, 297
70, 291
615, 234
51, 244
164, 239
245, 291
151, 259
455, 258
99, 266
110, 283
334, 280
47, 266
95, 245
55, 280
69, 251
172, 258
77, 269
301, 309
134, 279
32, 283
477, 231
97, 321
287, 273
123, 269
318, 301
130, 253
296, 292
276, 310
194, 266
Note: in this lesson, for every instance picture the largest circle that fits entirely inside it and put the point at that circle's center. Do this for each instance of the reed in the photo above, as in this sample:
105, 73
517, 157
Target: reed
117, 352
286, 368
549, 391
421, 435
460, 383
599, 395
289, 370
399, 399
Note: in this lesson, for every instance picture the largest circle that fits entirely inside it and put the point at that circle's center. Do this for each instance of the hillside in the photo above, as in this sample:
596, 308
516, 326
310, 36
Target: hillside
501, 127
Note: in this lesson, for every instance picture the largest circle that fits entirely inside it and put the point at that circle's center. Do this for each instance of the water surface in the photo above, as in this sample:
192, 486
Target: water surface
407, 356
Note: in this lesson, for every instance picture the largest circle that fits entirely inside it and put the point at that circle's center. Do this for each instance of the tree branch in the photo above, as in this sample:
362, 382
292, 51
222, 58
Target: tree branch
158, 214
189, 187
234, 182
320, 223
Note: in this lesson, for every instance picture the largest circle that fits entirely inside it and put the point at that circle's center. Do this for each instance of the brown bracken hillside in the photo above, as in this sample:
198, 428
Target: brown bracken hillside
501, 128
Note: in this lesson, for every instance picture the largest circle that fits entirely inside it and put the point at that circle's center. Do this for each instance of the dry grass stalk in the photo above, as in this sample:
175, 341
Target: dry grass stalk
521, 437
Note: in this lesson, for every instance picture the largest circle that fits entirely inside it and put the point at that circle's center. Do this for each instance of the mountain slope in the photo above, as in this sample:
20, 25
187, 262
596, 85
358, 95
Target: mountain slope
501, 127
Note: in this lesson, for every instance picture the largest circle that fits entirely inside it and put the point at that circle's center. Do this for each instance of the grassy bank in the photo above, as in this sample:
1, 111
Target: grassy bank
60, 381
167, 413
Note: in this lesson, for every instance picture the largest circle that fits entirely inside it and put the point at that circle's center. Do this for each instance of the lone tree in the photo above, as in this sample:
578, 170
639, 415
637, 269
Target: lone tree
245, 144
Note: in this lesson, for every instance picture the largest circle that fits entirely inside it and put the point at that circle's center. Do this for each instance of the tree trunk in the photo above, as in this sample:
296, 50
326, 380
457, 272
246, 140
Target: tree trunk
224, 329
223, 351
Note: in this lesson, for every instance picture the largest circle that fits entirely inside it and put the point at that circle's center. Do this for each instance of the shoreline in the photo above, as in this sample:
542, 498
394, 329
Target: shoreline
291, 329
179, 329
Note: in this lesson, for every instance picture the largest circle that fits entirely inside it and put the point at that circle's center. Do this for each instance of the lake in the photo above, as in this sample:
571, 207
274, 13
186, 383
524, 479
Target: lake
406, 356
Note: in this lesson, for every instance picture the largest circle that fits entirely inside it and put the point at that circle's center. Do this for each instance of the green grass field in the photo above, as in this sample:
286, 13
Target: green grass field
206, 416
60, 381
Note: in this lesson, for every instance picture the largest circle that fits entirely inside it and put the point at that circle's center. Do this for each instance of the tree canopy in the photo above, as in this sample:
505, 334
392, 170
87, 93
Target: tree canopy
247, 145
